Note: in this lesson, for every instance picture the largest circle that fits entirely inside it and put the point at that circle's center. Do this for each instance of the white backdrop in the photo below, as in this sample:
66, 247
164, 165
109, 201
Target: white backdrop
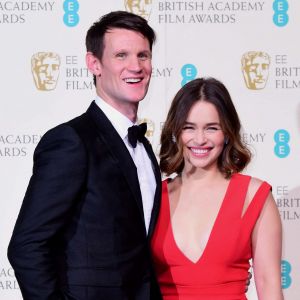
195, 38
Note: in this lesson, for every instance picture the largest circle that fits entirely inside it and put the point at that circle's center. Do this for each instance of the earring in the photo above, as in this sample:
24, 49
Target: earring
226, 141
173, 138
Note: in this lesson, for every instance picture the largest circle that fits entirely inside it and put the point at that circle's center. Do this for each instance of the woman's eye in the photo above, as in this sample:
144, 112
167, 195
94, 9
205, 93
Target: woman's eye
187, 127
211, 128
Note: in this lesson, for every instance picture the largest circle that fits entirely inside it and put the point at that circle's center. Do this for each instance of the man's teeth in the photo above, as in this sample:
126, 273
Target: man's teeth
199, 151
132, 80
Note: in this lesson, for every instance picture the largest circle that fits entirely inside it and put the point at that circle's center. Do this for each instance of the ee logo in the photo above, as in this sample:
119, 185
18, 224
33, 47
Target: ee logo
188, 72
286, 269
280, 17
71, 17
282, 138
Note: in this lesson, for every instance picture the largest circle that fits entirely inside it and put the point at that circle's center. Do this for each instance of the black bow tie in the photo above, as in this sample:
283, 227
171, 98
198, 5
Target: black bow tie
136, 133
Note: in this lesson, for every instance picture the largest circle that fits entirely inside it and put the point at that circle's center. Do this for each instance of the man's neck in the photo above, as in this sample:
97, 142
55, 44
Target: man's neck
129, 110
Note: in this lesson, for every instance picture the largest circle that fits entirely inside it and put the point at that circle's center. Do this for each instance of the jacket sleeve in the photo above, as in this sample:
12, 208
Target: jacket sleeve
57, 180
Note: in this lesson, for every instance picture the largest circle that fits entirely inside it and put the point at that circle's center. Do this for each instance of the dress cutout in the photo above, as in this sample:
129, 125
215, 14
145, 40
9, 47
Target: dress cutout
222, 270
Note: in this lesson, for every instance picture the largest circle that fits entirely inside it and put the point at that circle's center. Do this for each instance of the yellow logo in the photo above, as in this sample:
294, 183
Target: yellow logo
150, 128
255, 68
45, 70
139, 7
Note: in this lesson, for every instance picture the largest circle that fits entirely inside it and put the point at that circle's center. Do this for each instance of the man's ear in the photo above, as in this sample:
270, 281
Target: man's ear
93, 63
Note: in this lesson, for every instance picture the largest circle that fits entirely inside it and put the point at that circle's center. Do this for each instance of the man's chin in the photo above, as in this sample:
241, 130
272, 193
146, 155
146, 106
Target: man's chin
137, 98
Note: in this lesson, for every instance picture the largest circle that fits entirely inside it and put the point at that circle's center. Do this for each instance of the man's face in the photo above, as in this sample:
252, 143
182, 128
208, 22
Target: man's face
257, 73
47, 72
125, 68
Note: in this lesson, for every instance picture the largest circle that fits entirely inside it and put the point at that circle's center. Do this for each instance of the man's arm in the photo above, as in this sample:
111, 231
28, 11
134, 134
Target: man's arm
58, 176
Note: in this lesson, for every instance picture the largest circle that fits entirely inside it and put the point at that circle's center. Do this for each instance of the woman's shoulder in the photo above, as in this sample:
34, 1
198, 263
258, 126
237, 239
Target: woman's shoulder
257, 189
255, 184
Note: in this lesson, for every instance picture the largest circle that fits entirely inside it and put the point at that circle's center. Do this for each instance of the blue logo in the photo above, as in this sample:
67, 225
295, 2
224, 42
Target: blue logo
280, 17
188, 72
71, 17
286, 279
282, 148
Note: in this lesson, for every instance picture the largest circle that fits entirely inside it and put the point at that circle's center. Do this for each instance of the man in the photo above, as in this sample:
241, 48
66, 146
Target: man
92, 201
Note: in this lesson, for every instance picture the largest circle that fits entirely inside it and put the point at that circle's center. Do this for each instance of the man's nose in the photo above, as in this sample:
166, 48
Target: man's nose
134, 64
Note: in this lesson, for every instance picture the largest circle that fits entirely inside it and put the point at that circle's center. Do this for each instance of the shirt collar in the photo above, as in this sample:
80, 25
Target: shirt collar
118, 120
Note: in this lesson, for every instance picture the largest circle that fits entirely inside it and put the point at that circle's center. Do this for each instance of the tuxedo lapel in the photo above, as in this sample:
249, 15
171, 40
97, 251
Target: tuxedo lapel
157, 196
119, 152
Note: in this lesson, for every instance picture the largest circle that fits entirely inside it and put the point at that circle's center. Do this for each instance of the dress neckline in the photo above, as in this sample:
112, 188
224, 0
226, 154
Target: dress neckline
213, 230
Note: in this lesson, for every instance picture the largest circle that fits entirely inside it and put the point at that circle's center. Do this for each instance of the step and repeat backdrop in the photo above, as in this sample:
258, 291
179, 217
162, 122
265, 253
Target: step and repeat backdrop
251, 46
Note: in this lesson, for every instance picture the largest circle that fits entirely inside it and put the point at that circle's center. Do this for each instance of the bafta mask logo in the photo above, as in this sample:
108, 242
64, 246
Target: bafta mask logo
255, 67
139, 7
150, 128
45, 70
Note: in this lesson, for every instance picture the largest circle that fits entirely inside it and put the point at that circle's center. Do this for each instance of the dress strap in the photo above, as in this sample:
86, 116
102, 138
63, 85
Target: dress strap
164, 192
235, 197
164, 212
255, 207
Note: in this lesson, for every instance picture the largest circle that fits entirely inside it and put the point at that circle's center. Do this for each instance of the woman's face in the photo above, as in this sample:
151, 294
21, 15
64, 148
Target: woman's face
202, 137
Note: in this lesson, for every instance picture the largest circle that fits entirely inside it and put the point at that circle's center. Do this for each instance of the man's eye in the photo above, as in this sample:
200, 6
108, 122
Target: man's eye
144, 56
121, 55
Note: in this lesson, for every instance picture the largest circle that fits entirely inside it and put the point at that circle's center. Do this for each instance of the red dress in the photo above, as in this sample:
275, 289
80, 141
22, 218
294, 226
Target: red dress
222, 270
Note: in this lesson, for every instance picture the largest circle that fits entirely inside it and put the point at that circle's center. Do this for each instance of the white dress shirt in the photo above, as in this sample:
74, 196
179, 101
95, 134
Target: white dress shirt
139, 155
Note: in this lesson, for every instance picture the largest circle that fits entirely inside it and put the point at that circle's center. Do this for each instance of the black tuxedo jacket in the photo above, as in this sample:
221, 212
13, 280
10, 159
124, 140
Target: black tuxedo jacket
80, 233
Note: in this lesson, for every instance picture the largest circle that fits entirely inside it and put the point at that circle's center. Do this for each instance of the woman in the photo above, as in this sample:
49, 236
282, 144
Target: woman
213, 219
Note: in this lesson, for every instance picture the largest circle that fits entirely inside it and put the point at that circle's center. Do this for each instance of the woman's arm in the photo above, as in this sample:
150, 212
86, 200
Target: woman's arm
266, 249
